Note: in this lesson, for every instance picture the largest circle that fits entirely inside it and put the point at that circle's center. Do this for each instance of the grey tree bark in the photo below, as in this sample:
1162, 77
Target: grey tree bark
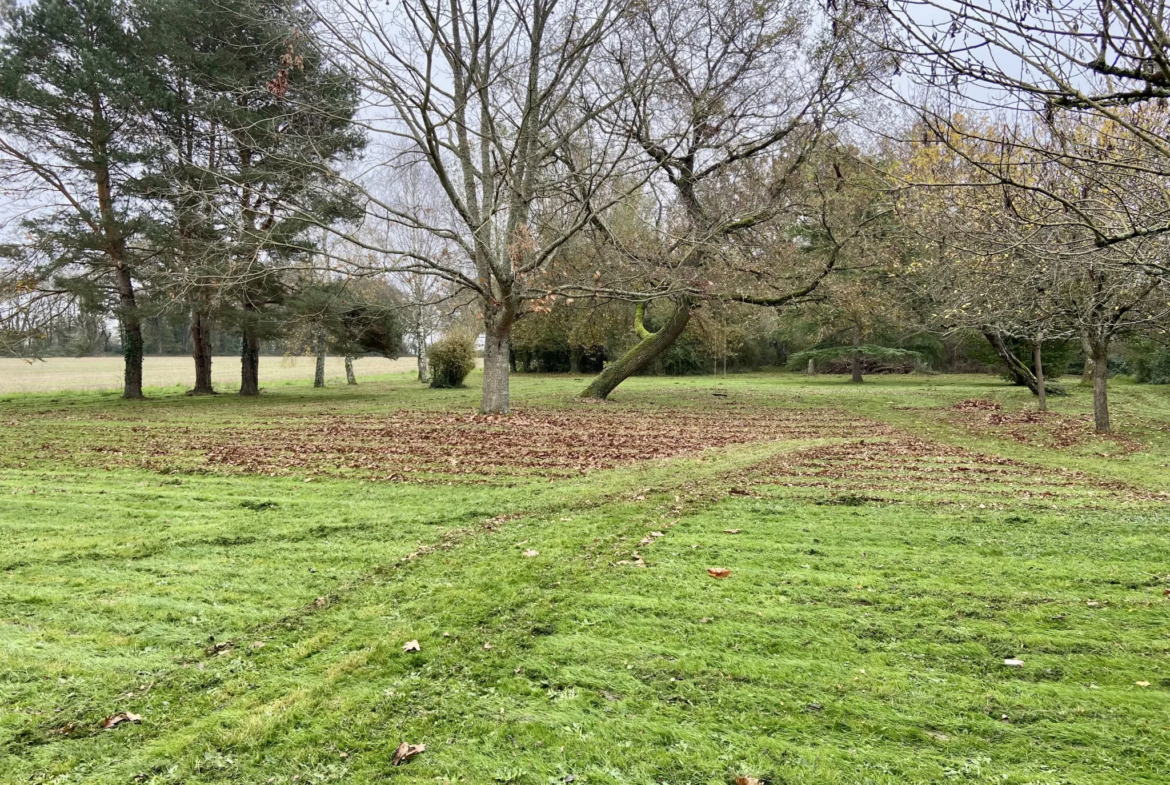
496, 368
420, 343
1038, 365
350, 378
1100, 348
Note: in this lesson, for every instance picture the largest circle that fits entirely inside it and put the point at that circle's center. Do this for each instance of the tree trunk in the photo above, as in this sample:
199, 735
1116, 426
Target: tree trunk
856, 377
319, 373
250, 362
497, 346
349, 376
575, 353
131, 335
651, 347
1021, 373
1100, 385
1087, 373
421, 350
812, 368
201, 352
1038, 364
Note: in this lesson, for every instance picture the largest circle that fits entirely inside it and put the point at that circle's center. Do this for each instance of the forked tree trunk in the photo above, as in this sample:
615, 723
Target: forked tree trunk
319, 373
349, 375
250, 362
647, 350
1100, 355
131, 326
1038, 365
856, 377
201, 352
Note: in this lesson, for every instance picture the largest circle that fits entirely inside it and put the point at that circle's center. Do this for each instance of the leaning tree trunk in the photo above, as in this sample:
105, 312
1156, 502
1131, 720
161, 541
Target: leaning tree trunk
250, 362
647, 350
201, 352
349, 375
131, 335
856, 364
1038, 364
1020, 372
1100, 349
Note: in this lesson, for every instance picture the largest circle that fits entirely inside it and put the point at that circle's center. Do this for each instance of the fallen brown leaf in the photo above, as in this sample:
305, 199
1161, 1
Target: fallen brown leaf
719, 572
411, 646
746, 781
407, 751
731, 531
488, 646
114, 720
530, 553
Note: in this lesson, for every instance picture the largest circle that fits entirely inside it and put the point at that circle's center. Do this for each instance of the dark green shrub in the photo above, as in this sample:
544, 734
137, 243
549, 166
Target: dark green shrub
450, 360
1149, 362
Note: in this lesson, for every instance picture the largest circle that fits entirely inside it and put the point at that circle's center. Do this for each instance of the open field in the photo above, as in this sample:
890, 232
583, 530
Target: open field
105, 373
243, 576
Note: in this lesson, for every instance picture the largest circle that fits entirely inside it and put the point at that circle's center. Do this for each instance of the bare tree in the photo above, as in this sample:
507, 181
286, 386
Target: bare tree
739, 95
1095, 73
499, 101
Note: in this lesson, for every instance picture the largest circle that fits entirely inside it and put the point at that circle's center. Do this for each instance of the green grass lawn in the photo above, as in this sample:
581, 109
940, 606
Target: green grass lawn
242, 575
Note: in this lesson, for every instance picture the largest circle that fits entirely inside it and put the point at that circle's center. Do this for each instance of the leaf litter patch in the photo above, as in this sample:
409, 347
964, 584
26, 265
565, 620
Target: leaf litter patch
982, 417
408, 444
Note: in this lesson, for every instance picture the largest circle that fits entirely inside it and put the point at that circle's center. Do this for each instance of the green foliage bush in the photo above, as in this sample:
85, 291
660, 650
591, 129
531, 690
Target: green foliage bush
450, 360
1150, 363
1058, 356
884, 354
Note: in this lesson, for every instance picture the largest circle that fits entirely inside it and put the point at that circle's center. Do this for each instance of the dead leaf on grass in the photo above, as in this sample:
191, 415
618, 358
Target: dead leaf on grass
529, 553
1012, 662
731, 531
114, 720
1142, 683
747, 781
719, 572
411, 646
407, 751
487, 646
